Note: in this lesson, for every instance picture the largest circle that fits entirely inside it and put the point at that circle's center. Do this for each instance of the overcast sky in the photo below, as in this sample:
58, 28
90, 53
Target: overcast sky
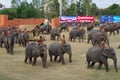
100, 3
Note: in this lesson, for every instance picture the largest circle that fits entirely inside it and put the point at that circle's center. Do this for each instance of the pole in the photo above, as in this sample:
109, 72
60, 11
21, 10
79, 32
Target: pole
60, 7
76, 6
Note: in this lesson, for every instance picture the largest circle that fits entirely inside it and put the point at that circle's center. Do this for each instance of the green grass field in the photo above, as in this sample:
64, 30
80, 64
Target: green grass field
12, 67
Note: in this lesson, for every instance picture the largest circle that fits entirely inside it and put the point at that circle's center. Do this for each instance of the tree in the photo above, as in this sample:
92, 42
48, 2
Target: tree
15, 3
114, 9
94, 9
26, 10
51, 9
87, 6
36, 3
71, 10
9, 11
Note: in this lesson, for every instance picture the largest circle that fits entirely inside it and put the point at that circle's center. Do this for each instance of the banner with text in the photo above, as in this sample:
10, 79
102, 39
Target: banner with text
85, 19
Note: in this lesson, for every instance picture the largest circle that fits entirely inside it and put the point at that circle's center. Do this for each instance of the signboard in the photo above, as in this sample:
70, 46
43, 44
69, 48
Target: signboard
85, 19
109, 19
116, 19
67, 18
106, 19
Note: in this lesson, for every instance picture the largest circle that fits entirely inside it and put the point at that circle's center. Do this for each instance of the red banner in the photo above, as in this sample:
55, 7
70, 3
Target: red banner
85, 19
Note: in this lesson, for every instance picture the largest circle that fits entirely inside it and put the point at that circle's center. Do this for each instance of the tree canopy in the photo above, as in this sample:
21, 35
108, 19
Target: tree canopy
50, 9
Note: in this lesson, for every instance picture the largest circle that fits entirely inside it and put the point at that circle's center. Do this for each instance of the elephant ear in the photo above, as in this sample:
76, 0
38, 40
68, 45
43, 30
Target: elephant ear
106, 52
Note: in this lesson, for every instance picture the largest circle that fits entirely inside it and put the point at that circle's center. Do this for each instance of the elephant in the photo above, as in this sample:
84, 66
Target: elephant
100, 55
63, 27
46, 28
76, 33
80, 34
98, 37
2, 36
110, 28
72, 35
55, 32
33, 50
90, 35
35, 31
57, 49
23, 38
9, 43
90, 27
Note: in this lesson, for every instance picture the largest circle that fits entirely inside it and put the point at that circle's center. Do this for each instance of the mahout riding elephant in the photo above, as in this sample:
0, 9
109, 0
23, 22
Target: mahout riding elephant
9, 43
100, 55
98, 37
23, 38
57, 49
55, 32
46, 28
33, 50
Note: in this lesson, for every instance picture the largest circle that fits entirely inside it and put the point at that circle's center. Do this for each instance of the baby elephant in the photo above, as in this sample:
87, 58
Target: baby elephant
33, 50
57, 49
97, 54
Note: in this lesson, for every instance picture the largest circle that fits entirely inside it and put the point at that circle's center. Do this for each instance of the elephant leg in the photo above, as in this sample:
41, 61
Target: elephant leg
88, 41
7, 50
92, 64
58, 38
26, 57
114, 33
82, 38
110, 32
11, 50
88, 62
44, 61
106, 65
1, 44
62, 58
30, 60
79, 39
100, 65
70, 60
50, 58
74, 39
55, 58
59, 59
34, 60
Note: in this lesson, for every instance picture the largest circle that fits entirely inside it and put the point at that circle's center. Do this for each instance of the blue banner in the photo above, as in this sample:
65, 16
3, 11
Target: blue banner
109, 19
116, 19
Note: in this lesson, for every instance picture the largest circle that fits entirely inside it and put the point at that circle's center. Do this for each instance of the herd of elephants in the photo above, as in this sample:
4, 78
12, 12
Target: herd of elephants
11, 35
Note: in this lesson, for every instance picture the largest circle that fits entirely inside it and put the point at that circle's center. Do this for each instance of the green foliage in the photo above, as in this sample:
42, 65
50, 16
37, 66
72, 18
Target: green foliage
111, 10
10, 11
26, 10
36, 9
71, 10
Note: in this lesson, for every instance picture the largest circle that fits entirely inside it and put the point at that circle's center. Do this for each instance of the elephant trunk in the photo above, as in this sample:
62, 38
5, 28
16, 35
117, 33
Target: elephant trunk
45, 58
115, 63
